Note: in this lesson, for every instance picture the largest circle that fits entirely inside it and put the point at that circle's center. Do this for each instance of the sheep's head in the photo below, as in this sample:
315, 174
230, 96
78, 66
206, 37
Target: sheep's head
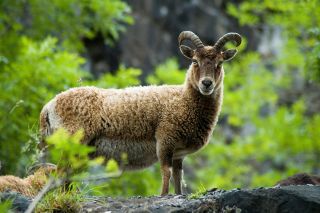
206, 70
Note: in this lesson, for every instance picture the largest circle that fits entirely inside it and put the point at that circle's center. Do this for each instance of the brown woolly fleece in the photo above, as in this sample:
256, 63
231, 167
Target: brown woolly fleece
131, 120
147, 123
29, 186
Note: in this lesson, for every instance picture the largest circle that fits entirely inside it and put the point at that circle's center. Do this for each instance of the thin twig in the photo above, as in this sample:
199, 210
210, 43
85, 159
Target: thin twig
52, 183
98, 177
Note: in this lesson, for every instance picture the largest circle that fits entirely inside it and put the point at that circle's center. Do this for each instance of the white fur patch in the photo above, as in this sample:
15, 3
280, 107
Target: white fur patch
54, 119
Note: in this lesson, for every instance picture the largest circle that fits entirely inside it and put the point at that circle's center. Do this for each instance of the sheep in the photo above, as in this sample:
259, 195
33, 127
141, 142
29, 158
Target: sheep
149, 123
29, 186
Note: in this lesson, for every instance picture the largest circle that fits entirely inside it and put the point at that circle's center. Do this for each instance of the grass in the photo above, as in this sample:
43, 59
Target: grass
200, 191
61, 200
5, 206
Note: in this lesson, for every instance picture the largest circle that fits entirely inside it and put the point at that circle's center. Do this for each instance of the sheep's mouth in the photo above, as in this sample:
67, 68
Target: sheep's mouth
206, 91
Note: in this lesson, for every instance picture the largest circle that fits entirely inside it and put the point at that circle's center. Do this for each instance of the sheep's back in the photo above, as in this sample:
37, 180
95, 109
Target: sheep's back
134, 113
121, 114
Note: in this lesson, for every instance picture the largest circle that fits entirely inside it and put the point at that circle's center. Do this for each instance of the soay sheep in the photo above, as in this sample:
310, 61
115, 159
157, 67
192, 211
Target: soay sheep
29, 186
149, 123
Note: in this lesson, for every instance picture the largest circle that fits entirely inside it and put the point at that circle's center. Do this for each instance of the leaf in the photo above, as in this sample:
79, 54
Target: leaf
112, 166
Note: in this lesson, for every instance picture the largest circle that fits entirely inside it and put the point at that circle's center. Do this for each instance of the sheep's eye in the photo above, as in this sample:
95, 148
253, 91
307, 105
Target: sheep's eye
195, 62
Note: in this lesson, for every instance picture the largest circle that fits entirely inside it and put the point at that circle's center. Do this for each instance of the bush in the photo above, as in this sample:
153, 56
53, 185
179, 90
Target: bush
39, 72
70, 21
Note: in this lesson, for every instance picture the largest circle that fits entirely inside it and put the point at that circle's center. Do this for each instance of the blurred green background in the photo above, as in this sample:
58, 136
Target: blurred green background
270, 122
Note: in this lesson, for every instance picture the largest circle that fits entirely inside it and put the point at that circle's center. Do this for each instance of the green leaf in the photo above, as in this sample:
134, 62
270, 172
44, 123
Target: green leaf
112, 166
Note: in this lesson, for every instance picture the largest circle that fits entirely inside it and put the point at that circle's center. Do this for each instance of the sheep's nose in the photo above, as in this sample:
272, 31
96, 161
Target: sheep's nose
207, 83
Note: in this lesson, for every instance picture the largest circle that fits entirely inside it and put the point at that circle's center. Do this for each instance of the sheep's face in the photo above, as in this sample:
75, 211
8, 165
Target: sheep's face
206, 70
207, 67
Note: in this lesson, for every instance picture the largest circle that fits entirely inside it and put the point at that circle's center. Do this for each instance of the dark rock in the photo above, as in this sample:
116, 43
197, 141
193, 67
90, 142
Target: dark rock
280, 199
153, 37
286, 199
20, 203
300, 179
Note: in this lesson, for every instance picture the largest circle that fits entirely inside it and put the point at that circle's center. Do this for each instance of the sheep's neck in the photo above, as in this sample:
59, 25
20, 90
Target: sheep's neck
208, 101
208, 106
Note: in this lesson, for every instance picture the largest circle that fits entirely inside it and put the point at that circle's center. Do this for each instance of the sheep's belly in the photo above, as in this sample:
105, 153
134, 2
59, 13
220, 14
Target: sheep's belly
129, 154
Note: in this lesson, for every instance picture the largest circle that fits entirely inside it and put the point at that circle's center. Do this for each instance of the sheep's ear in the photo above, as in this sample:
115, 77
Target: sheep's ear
186, 51
229, 54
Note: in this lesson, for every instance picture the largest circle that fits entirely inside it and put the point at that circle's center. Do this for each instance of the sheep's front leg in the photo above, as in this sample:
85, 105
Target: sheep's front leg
177, 175
165, 158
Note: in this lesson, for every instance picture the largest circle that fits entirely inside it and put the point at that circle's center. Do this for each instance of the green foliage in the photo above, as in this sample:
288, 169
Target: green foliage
124, 77
312, 65
70, 21
282, 144
39, 72
67, 152
5, 206
247, 77
146, 182
167, 73
299, 21
200, 191
284, 13
112, 166
298, 141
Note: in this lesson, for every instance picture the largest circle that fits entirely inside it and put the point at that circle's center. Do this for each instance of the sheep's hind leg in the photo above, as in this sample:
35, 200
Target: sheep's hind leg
177, 175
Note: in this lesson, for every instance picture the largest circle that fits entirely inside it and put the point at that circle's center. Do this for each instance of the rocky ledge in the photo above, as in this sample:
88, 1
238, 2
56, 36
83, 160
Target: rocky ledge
292, 199
303, 198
